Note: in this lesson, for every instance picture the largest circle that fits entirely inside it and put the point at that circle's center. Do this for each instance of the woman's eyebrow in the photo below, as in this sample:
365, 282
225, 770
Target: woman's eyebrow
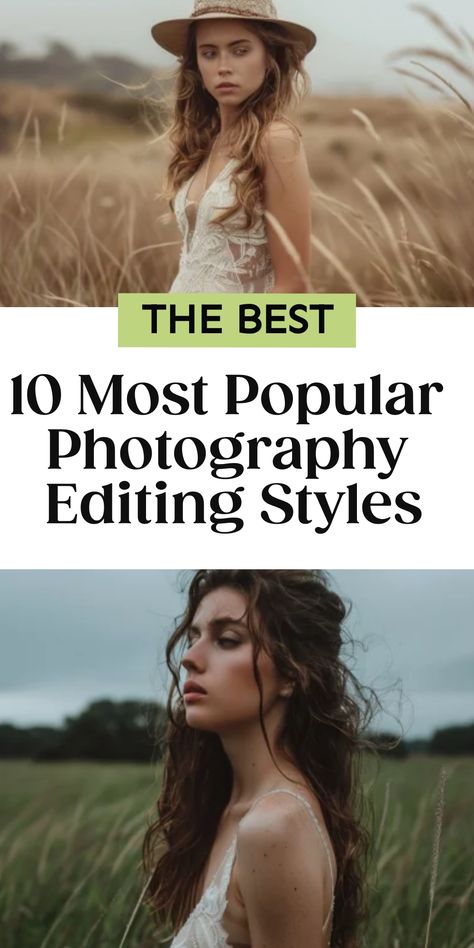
217, 624
227, 620
213, 45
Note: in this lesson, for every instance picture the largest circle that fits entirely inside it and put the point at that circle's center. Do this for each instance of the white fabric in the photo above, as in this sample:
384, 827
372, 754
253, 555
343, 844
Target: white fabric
220, 258
203, 928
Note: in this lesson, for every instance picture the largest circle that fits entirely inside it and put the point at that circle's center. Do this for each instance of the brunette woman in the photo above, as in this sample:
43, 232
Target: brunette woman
258, 841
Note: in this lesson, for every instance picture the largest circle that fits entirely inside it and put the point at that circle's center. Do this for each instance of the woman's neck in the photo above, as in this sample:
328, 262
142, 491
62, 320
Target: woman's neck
227, 117
254, 771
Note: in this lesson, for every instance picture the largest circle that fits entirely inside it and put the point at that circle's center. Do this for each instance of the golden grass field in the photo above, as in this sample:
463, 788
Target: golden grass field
81, 217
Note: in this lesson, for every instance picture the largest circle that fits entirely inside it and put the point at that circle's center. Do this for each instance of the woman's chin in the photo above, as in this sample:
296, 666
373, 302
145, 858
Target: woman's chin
232, 97
197, 719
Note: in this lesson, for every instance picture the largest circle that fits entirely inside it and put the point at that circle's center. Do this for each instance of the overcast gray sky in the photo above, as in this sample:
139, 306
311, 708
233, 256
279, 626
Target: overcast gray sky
68, 637
354, 37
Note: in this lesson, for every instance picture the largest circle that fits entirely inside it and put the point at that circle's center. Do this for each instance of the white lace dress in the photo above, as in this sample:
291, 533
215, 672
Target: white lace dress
203, 928
220, 258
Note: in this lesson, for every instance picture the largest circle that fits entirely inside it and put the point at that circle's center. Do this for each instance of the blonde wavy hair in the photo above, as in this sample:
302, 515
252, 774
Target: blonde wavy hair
196, 117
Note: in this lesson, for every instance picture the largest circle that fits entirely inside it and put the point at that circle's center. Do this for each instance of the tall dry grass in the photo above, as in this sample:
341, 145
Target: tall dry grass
81, 217
70, 839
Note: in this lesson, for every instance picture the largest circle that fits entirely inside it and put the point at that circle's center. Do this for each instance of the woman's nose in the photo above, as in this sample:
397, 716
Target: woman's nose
193, 657
224, 66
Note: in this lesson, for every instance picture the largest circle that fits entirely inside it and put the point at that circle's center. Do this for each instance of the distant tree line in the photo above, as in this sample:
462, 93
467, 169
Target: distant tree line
134, 731
105, 730
61, 67
458, 739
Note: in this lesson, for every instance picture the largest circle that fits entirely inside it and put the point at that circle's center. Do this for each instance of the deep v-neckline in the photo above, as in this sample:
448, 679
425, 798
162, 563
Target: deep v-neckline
197, 204
216, 873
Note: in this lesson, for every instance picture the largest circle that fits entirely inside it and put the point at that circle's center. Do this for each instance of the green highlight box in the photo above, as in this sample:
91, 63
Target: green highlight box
237, 320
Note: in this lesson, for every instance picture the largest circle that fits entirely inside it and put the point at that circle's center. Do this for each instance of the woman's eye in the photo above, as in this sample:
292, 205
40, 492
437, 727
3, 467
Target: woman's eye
224, 640
241, 50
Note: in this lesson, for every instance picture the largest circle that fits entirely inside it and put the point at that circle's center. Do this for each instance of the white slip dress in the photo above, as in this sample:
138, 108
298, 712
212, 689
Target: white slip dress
220, 258
203, 927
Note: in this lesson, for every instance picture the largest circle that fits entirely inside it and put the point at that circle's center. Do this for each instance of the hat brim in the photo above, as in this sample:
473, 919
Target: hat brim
171, 34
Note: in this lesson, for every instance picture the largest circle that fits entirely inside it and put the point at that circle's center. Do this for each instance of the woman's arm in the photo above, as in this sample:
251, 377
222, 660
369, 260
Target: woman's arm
287, 201
283, 878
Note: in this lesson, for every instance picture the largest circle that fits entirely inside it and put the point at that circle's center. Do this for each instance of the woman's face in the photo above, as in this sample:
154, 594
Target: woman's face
229, 53
219, 659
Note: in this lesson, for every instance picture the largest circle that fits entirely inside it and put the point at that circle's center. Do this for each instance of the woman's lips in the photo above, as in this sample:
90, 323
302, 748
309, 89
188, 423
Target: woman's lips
226, 87
190, 696
191, 685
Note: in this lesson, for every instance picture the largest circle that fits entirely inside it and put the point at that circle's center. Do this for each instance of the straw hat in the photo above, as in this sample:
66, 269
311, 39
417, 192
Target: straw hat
171, 34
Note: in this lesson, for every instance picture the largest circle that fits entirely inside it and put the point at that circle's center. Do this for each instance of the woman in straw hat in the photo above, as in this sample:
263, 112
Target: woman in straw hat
258, 841
238, 179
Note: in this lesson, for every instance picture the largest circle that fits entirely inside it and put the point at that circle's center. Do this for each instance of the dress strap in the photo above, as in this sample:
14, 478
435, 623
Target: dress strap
322, 836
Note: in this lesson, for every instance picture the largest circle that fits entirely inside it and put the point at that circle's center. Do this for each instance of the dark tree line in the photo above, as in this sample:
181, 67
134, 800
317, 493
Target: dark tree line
60, 65
106, 730
458, 739
134, 731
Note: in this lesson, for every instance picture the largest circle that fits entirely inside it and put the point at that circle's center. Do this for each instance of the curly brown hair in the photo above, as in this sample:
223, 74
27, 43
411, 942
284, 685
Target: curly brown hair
196, 117
297, 619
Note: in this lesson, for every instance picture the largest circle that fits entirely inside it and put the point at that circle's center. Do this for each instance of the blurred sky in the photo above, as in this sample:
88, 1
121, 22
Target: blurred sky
68, 637
355, 38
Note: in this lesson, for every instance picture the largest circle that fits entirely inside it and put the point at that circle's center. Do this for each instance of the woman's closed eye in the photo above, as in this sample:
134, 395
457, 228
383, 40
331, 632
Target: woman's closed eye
224, 641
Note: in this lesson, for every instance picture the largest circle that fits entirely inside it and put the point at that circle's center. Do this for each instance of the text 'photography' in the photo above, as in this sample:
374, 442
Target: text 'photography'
236, 313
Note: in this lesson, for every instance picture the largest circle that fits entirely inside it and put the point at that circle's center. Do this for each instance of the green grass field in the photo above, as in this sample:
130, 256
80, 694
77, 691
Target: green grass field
70, 842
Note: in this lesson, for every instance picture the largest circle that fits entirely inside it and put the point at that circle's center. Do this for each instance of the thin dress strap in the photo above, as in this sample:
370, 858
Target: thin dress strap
322, 837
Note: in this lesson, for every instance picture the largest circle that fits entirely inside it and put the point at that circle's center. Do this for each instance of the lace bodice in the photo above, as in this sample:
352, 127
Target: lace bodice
203, 928
220, 258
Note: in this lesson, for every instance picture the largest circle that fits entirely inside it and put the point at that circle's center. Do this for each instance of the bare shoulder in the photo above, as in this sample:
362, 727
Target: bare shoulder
281, 824
282, 141
282, 867
274, 813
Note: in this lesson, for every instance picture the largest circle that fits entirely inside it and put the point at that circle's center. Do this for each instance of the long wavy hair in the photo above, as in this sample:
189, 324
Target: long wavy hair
297, 619
196, 116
